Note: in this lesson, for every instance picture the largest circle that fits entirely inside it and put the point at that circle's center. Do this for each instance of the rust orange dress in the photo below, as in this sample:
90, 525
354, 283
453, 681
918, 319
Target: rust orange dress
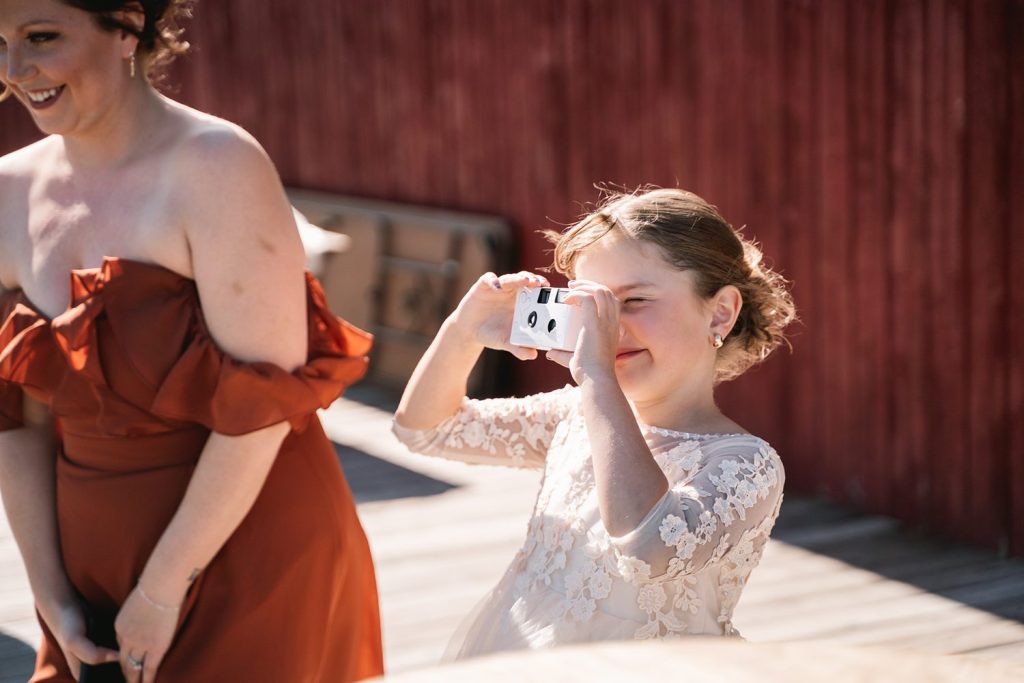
136, 384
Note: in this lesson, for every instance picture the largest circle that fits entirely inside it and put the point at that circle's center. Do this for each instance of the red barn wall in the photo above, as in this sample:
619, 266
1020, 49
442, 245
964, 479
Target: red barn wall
875, 149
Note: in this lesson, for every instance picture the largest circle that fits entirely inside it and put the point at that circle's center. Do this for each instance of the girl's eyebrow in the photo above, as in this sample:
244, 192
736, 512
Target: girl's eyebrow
632, 286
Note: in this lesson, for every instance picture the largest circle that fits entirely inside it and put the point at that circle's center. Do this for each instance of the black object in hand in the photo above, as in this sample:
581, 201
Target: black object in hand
100, 630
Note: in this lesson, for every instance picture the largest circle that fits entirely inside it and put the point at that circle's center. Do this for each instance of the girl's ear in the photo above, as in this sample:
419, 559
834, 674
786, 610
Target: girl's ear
725, 308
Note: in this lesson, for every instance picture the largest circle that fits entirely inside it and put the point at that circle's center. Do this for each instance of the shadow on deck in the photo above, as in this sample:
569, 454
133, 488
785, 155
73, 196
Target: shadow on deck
971, 576
373, 479
17, 660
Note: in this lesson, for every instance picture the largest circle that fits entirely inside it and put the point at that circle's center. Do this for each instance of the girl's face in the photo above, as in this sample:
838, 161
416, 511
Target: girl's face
60, 64
665, 327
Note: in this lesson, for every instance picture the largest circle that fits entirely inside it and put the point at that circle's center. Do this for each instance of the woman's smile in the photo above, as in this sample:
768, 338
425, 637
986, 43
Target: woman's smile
43, 99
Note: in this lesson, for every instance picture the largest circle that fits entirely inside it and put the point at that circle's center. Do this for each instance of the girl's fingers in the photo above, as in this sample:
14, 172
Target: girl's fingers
490, 280
522, 352
534, 279
563, 358
585, 300
522, 279
603, 301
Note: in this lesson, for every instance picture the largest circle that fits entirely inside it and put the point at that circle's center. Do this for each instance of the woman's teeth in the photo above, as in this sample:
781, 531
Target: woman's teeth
40, 96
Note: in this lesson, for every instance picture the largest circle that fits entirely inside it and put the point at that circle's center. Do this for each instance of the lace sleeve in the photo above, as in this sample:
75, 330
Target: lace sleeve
514, 432
720, 498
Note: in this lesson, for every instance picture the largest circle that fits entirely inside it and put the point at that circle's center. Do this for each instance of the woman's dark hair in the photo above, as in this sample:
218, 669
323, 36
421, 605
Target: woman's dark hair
160, 40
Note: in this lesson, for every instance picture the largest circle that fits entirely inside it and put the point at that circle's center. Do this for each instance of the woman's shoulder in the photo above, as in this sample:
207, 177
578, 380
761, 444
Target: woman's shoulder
223, 167
17, 171
23, 161
227, 182
209, 144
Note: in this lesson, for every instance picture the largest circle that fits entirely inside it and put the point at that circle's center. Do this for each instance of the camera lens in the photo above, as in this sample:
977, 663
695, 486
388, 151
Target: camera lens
531, 319
551, 325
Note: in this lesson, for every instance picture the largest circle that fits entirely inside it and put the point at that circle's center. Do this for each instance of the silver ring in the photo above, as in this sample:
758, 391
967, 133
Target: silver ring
136, 664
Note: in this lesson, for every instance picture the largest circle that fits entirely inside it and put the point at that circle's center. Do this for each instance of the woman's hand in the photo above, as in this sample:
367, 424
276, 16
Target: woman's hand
67, 624
144, 633
485, 313
594, 356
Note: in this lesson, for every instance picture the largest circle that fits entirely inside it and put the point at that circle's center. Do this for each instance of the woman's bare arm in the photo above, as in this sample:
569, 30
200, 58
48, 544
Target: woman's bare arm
27, 484
248, 265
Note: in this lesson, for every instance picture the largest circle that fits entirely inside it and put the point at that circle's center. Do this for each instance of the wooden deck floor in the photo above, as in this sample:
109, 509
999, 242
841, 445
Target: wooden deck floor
442, 534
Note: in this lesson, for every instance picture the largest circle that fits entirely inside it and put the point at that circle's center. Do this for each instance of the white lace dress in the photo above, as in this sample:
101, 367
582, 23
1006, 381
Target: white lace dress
680, 571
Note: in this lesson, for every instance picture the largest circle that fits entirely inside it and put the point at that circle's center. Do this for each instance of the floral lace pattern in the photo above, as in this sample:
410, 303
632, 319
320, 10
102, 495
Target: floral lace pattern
704, 523
680, 571
511, 432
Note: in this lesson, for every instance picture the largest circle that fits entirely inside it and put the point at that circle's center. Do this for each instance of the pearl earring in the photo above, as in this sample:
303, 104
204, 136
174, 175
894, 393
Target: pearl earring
717, 342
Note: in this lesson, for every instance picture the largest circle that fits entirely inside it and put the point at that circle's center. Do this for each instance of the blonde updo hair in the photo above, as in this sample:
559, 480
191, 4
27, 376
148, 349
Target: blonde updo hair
693, 236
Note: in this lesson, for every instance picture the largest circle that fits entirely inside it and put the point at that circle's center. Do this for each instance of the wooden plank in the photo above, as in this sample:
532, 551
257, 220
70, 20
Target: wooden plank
437, 556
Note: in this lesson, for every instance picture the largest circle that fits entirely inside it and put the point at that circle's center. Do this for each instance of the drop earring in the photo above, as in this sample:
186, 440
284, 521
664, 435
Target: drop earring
131, 65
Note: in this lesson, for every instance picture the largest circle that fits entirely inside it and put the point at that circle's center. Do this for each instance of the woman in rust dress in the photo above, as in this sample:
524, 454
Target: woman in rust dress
180, 512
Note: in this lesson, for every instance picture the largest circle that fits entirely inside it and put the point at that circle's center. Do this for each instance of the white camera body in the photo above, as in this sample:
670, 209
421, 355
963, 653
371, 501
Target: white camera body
542, 321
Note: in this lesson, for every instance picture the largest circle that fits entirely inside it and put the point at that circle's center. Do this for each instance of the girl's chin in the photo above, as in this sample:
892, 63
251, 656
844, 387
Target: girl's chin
633, 387
640, 386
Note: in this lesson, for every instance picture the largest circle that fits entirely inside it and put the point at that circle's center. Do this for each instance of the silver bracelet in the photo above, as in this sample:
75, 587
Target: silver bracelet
154, 603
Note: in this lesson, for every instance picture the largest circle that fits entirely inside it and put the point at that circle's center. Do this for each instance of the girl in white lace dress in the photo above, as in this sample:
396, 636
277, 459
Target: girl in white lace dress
654, 507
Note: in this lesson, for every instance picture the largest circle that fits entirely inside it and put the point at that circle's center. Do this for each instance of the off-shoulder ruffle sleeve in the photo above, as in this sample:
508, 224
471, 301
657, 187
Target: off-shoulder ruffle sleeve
23, 343
159, 327
10, 406
10, 393
233, 397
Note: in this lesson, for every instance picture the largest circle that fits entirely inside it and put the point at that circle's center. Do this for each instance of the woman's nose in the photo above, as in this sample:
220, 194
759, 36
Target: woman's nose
16, 68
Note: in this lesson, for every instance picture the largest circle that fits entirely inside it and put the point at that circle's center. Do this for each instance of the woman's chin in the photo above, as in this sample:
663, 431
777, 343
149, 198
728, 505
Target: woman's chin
51, 126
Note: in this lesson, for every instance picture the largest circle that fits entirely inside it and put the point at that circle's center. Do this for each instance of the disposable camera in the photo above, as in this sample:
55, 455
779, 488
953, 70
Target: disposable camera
542, 320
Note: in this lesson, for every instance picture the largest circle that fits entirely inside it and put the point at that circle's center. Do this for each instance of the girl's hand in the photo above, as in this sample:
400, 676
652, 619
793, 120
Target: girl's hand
67, 624
598, 342
144, 632
484, 316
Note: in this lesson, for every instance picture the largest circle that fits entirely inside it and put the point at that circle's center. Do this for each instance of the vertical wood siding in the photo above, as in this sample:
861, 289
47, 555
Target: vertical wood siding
876, 149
